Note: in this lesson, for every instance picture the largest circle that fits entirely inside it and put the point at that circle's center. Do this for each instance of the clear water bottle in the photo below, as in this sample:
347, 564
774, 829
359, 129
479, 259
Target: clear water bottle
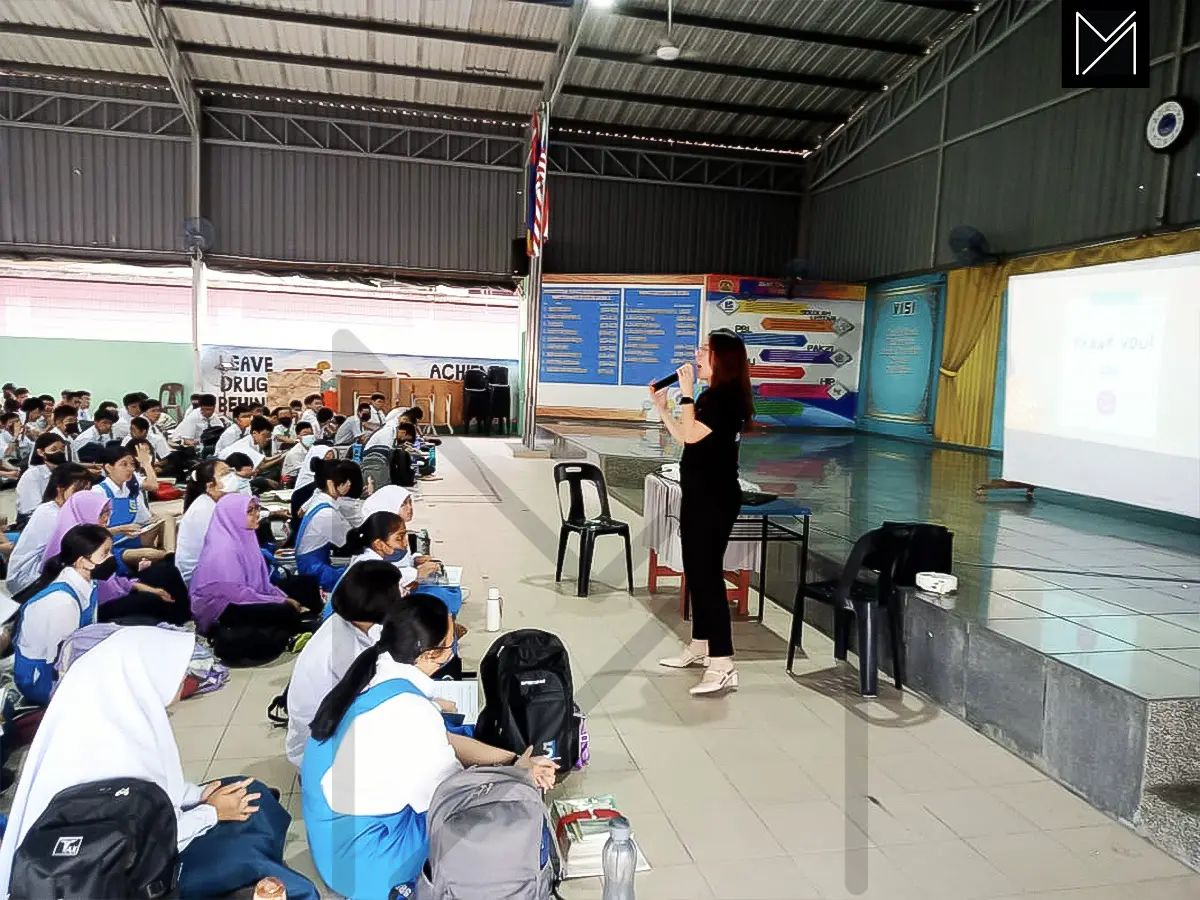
619, 860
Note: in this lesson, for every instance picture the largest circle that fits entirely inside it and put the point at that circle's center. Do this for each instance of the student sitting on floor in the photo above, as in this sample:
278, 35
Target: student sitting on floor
324, 526
248, 618
197, 421
294, 458
352, 429
25, 564
360, 602
283, 437
326, 426
63, 424
236, 430
65, 600
10, 444
204, 489
49, 452
152, 412
132, 404
83, 402
240, 473
130, 506
312, 403
156, 594
255, 445
379, 749
90, 444
108, 719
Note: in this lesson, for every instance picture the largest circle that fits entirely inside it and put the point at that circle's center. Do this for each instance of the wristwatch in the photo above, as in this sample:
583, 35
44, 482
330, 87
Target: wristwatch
683, 400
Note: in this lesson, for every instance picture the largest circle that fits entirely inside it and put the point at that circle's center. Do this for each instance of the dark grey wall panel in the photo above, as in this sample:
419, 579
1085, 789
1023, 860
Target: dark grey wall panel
919, 131
91, 191
875, 226
638, 227
1185, 166
1074, 172
343, 210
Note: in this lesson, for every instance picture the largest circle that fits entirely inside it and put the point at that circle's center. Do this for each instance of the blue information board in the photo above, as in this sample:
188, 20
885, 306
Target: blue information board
660, 332
613, 335
580, 335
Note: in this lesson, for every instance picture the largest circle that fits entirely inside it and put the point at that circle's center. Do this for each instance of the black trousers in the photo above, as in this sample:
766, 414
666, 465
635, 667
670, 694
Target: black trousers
138, 607
706, 518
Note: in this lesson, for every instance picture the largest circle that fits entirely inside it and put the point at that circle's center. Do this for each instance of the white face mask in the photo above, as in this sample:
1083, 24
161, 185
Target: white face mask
308, 440
233, 483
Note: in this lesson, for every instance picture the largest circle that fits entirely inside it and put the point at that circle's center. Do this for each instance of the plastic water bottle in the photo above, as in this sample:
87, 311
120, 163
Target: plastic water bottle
619, 861
493, 609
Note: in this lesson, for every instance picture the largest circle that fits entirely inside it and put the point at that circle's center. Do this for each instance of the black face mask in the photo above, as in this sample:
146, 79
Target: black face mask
56, 459
105, 570
72, 429
285, 421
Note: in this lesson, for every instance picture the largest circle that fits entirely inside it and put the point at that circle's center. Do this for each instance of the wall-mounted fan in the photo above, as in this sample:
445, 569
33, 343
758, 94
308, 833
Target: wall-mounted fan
970, 246
199, 236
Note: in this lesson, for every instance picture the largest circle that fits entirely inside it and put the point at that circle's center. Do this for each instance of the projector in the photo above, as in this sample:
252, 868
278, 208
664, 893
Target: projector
936, 583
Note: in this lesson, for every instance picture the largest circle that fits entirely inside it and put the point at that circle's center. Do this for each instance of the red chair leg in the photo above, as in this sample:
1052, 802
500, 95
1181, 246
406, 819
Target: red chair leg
652, 580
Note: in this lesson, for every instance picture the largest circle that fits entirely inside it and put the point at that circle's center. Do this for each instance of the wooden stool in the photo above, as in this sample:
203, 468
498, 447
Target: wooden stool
737, 590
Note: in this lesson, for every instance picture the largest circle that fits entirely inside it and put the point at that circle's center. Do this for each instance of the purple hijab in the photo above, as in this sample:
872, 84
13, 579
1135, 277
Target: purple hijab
231, 568
85, 508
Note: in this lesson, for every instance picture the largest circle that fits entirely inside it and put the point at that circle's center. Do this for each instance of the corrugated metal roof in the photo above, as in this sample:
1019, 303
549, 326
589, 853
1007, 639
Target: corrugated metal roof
654, 88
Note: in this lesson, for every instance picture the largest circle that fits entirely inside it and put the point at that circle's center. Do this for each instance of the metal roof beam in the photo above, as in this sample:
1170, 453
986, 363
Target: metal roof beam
772, 112
372, 26
965, 7
757, 29
357, 65
706, 68
669, 136
163, 39
73, 34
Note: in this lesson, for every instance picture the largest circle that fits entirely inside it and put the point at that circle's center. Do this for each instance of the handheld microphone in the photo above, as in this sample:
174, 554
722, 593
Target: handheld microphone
671, 379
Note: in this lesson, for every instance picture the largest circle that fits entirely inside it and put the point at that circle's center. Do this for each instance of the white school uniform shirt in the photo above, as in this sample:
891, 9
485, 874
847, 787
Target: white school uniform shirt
230, 435
109, 720
306, 474
242, 445
193, 526
25, 564
378, 417
349, 431
279, 434
408, 574
319, 667
90, 436
384, 436
121, 427
195, 424
329, 526
310, 416
83, 415
294, 459
8, 445
158, 444
68, 443
394, 756
50, 621
142, 516
31, 487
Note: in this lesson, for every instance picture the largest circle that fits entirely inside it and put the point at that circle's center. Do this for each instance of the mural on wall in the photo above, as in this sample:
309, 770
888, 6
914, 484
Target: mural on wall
804, 351
238, 375
900, 374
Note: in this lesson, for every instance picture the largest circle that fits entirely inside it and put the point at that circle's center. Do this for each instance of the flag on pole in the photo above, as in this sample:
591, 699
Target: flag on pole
537, 215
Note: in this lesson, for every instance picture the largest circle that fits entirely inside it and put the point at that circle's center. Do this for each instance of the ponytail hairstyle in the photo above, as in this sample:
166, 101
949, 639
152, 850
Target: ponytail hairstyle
202, 477
420, 624
64, 477
377, 527
339, 471
78, 542
367, 591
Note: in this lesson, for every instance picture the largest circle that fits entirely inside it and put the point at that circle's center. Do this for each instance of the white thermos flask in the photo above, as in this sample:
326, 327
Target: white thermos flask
494, 608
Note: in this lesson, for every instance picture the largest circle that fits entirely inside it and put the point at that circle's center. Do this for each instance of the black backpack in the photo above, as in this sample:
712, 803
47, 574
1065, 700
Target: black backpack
528, 697
113, 838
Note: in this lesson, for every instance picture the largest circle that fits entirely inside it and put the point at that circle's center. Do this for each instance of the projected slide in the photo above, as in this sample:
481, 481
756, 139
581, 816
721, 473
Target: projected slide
1102, 392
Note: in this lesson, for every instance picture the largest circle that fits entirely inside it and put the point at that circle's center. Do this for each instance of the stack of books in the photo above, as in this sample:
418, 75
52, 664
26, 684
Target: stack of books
581, 827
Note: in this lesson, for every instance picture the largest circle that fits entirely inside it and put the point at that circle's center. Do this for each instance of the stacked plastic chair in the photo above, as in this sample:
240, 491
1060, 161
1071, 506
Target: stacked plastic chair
499, 396
477, 401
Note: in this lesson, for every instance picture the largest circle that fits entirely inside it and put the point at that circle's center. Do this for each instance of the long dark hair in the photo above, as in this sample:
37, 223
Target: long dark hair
40, 445
377, 527
199, 481
339, 471
730, 367
78, 542
367, 591
411, 628
63, 477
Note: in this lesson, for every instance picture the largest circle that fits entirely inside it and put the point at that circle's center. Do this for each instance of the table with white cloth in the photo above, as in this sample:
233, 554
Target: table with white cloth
755, 528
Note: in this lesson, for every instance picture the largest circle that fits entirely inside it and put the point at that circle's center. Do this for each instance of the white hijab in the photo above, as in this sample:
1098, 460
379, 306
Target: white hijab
388, 498
383, 436
317, 451
108, 719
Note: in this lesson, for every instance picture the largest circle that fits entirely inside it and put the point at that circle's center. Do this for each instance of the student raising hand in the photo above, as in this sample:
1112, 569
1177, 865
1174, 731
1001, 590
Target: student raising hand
231, 801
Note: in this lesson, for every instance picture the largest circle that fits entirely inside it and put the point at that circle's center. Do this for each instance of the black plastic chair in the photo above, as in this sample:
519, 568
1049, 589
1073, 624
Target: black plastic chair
499, 396
477, 405
851, 598
576, 520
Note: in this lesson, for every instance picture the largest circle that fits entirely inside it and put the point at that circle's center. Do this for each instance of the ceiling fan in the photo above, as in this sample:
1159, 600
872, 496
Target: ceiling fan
669, 49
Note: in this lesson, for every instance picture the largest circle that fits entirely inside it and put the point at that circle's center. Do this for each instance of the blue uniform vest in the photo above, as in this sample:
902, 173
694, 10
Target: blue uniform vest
315, 563
360, 857
35, 677
123, 512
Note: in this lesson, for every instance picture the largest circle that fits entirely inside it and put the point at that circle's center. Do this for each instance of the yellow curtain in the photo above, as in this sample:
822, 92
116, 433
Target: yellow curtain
974, 301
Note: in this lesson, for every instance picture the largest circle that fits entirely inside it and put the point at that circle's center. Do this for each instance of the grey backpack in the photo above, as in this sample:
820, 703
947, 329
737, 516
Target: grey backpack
489, 837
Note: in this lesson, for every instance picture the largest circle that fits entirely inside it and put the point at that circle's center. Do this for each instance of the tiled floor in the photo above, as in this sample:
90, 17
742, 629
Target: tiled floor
791, 788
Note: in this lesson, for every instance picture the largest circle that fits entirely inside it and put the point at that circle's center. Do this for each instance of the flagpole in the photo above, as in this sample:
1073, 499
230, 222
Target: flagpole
533, 318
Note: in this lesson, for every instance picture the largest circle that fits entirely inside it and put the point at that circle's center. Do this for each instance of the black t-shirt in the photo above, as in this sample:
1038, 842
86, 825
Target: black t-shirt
714, 458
